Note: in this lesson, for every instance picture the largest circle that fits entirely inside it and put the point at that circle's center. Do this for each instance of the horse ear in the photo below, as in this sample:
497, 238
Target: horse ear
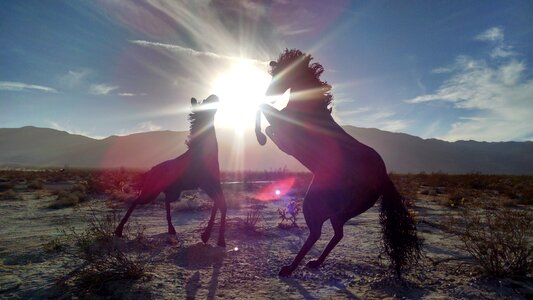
194, 102
273, 64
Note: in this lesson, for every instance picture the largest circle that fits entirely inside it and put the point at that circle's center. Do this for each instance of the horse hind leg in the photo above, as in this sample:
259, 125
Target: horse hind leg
214, 191
337, 222
168, 199
314, 220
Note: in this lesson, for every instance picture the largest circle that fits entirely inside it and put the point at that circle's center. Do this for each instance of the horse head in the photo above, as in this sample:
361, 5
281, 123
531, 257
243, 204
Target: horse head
202, 117
309, 95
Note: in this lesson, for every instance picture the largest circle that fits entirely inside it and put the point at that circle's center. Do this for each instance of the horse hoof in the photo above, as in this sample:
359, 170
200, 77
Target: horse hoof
221, 244
313, 264
118, 233
172, 231
205, 237
285, 271
261, 138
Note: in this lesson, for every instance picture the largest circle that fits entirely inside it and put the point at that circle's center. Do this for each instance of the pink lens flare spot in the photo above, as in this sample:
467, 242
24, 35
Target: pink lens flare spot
236, 249
278, 192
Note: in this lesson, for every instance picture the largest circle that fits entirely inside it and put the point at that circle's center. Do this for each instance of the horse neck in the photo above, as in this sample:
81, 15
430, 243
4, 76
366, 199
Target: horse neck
204, 145
306, 98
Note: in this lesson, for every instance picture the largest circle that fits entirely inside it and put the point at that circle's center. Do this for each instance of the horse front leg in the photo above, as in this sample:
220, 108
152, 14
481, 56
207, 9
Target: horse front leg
120, 227
270, 114
261, 137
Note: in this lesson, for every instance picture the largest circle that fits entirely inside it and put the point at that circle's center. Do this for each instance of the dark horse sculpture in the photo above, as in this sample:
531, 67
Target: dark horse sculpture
197, 168
348, 176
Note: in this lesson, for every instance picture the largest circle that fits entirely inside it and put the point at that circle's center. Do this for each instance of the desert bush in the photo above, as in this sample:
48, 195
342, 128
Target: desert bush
456, 199
120, 196
64, 199
9, 195
250, 223
192, 202
498, 240
5, 185
105, 258
35, 184
290, 214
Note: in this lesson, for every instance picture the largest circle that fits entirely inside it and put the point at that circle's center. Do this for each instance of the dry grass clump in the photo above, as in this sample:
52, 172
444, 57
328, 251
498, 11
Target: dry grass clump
105, 258
9, 195
69, 198
499, 240
36, 184
192, 202
6, 184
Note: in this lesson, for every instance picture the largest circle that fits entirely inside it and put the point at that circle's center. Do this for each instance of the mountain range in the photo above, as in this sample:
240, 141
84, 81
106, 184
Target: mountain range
402, 153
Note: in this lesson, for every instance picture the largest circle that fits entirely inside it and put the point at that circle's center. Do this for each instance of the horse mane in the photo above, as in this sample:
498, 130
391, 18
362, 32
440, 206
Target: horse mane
198, 120
298, 66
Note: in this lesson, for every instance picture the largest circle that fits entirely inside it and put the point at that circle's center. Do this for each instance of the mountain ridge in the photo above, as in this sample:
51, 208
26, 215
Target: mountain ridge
402, 153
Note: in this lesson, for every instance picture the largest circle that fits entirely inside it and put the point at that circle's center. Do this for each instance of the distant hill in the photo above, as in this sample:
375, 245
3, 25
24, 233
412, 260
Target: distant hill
44, 147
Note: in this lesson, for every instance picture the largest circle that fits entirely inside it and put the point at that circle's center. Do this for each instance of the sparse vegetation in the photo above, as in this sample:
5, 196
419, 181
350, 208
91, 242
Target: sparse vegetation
9, 195
499, 240
105, 258
290, 214
192, 202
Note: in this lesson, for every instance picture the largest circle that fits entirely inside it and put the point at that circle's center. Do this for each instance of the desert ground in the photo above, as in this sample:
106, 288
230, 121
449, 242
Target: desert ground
56, 241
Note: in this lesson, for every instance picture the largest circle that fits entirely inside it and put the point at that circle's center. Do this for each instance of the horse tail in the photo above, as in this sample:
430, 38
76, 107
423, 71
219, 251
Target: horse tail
400, 240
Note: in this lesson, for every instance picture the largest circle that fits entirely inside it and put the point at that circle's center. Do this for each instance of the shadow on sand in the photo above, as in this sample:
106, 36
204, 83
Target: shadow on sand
196, 257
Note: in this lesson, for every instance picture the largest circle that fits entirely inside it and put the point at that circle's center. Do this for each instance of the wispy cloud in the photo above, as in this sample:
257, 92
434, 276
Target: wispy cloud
131, 94
20, 86
496, 91
495, 35
192, 52
74, 78
102, 89
370, 117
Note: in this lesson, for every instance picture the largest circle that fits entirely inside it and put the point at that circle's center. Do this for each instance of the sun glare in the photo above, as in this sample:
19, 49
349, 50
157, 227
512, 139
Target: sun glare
240, 89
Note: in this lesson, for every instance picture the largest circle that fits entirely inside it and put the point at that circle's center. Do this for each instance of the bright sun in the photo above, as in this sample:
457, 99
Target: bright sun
241, 90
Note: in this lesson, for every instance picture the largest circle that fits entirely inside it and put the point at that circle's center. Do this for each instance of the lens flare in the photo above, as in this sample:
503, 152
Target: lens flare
276, 189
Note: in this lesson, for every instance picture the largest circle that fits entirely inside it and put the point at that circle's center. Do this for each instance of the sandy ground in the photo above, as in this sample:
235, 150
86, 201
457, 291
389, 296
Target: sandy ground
186, 268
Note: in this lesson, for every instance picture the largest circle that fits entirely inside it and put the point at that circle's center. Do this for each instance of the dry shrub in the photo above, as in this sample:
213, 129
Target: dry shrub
105, 257
498, 240
290, 214
9, 195
36, 184
6, 185
192, 202
250, 223
70, 198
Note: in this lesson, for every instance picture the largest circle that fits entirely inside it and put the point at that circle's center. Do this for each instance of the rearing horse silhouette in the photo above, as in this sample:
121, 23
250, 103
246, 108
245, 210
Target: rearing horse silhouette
348, 176
197, 168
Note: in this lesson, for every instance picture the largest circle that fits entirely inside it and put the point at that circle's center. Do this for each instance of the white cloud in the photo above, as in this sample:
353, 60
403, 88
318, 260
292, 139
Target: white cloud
73, 78
369, 117
131, 94
494, 34
101, 89
190, 51
495, 91
20, 86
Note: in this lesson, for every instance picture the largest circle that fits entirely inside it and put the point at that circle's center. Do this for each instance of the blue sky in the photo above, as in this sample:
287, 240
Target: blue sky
437, 69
